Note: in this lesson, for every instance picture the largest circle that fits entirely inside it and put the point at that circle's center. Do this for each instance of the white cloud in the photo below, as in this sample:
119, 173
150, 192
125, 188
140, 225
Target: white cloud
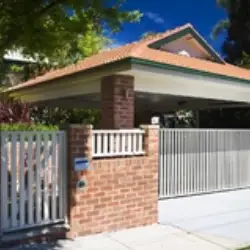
155, 17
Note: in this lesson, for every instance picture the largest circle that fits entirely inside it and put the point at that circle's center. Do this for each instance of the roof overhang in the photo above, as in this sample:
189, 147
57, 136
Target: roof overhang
150, 77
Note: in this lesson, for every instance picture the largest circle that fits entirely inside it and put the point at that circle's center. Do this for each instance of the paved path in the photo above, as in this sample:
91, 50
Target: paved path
153, 237
224, 215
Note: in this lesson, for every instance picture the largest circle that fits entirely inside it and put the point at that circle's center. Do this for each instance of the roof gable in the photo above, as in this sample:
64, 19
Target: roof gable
187, 40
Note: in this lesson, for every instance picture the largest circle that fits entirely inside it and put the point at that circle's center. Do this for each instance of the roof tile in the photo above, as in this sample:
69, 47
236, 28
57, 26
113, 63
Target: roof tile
141, 50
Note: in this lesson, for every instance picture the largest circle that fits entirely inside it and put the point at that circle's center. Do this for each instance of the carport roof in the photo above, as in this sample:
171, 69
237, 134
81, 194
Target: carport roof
145, 52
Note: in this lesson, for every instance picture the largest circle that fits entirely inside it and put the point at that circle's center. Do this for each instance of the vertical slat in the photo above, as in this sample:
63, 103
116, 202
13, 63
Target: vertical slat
207, 159
187, 148
191, 163
165, 177
176, 162
181, 163
4, 181
167, 163
214, 169
134, 143
54, 176
94, 144
185, 162
123, 143
111, 143
161, 165
105, 143
195, 162
22, 191
140, 142
61, 171
117, 145
64, 178
38, 178
172, 138
30, 179
129, 148
13, 180
99, 144
219, 161
46, 190
203, 160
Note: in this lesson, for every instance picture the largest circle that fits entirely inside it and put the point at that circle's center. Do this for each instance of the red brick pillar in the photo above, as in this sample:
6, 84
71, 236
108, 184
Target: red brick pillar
79, 145
151, 147
117, 102
122, 192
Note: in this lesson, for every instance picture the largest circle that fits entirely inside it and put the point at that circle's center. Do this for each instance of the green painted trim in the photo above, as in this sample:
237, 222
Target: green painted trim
187, 70
178, 35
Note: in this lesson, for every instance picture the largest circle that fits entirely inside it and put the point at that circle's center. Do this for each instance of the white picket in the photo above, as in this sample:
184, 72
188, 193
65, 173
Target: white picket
111, 143
21, 157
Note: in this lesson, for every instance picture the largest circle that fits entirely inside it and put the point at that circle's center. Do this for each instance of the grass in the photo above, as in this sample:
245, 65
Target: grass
246, 248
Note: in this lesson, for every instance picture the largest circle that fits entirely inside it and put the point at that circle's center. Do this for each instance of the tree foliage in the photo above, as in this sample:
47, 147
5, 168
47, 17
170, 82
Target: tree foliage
41, 27
57, 33
237, 27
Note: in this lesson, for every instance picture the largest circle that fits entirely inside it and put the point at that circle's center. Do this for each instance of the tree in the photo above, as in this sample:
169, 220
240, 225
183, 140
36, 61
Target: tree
223, 24
41, 27
237, 27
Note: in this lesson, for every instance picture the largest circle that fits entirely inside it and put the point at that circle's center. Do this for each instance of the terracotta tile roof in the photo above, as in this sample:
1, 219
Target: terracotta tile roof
141, 50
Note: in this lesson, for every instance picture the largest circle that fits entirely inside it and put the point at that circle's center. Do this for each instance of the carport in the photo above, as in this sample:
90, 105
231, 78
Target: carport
170, 71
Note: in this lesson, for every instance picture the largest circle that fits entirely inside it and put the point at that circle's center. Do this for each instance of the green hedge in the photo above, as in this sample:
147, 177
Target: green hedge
27, 127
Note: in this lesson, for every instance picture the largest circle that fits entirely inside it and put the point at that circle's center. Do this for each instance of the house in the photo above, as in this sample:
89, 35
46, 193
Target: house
10, 59
173, 70
128, 170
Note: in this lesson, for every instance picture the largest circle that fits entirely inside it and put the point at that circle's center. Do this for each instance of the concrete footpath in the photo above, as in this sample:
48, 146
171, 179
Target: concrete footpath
153, 237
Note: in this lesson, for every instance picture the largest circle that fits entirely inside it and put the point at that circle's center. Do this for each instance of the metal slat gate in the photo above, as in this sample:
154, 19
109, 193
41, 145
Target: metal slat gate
33, 190
196, 161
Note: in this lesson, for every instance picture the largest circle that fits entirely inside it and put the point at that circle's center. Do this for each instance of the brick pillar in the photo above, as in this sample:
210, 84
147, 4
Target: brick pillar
122, 192
79, 145
151, 147
117, 102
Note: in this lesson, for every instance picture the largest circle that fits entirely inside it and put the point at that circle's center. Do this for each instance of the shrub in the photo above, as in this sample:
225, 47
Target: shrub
27, 127
13, 111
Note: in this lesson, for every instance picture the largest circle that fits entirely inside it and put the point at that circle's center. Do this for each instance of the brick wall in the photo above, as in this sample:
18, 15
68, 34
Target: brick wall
117, 102
121, 192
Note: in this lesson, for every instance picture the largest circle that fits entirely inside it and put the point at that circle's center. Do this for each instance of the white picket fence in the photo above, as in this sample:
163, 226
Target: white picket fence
111, 143
33, 190
196, 161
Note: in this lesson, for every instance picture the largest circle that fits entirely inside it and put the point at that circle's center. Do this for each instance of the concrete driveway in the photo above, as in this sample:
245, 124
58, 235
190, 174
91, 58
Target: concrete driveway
214, 216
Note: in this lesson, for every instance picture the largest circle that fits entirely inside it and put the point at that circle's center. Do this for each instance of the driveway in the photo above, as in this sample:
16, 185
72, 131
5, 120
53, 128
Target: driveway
222, 215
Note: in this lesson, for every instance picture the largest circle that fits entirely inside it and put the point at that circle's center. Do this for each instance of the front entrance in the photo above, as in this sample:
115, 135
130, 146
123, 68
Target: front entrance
33, 190
197, 161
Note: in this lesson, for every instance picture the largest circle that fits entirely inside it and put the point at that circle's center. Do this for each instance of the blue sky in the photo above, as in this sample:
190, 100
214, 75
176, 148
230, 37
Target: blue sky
160, 15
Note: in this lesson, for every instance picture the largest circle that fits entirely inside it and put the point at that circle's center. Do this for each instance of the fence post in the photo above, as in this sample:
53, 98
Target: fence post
1, 228
79, 145
151, 147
